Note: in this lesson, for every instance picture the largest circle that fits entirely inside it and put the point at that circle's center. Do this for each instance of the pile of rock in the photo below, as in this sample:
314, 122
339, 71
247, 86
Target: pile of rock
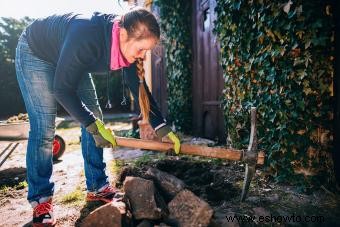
155, 199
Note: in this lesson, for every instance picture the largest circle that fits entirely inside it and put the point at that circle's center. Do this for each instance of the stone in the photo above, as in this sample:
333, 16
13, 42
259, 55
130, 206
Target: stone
273, 198
260, 213
145, 201
145, 223
231, 222
188, 210
224, 219
168, 183
162, 225
253, 199
108, 215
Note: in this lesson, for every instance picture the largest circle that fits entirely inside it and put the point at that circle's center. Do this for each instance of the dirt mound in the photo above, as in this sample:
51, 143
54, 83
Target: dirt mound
210, 182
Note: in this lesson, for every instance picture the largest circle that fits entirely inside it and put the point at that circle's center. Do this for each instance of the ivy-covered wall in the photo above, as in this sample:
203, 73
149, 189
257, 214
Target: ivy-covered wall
176, 31
278, 56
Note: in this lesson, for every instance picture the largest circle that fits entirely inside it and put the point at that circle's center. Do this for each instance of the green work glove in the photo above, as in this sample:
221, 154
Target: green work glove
177, 143
166, 131
103, 137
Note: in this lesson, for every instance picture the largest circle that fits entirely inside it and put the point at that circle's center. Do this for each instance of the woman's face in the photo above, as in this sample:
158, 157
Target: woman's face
132, 48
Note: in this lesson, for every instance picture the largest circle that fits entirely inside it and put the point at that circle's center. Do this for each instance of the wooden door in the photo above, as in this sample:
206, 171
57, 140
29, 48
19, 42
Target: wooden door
208, 120
159, 81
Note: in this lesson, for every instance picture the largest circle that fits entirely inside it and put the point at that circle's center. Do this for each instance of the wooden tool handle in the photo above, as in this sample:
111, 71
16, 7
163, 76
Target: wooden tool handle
211, 152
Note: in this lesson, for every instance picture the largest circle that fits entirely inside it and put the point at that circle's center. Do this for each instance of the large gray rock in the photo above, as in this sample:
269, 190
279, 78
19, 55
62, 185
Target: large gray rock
169, 184
222, 219
145, 201
188, 210
260, 212
108, 215
145, 223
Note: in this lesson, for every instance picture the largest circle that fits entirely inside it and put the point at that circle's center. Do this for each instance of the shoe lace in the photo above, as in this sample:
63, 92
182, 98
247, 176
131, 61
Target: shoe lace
43, 208
109, 189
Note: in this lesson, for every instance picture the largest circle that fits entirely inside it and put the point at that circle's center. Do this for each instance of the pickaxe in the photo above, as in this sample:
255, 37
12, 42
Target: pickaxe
251, 157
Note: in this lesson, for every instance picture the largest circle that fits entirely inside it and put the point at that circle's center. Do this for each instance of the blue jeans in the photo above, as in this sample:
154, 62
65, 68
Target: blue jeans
35, 77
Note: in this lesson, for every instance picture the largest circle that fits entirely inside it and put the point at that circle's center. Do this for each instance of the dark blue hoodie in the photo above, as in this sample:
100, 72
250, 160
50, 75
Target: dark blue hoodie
76, 45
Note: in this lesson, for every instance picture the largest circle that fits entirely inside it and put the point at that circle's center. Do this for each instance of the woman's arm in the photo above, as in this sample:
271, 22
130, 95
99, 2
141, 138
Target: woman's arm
156, 119
78, 52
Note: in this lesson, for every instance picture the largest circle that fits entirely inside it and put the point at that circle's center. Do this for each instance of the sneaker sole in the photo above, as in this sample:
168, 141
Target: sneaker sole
99, 200
44, 224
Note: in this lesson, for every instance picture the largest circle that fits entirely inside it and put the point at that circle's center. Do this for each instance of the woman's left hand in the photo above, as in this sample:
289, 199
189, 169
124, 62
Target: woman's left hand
177, 143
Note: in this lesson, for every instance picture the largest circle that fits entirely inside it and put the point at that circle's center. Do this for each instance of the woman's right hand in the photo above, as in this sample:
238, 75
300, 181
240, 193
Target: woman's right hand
102, 136
177, 143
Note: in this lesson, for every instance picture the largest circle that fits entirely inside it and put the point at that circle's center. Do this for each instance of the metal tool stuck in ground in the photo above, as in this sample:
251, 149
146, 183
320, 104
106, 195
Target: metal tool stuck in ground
251, 157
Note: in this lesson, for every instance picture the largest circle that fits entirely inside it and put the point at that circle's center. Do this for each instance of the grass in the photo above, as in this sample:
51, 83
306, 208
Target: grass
142, 160
76, 197
4, 189
161, 156
216, 161
115, 166
19, 186
149, 158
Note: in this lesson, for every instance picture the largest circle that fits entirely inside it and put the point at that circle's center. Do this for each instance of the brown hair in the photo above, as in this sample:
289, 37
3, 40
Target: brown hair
143, 99
141, 24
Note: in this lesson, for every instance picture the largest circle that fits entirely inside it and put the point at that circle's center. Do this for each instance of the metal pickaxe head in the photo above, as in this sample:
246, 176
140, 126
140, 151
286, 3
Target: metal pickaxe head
250, 157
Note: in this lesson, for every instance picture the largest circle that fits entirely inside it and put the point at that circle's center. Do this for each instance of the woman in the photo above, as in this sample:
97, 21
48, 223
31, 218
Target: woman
54, 59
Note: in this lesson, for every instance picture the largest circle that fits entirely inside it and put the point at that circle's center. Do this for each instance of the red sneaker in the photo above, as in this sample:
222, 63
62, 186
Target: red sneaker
105, 195
43, 214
